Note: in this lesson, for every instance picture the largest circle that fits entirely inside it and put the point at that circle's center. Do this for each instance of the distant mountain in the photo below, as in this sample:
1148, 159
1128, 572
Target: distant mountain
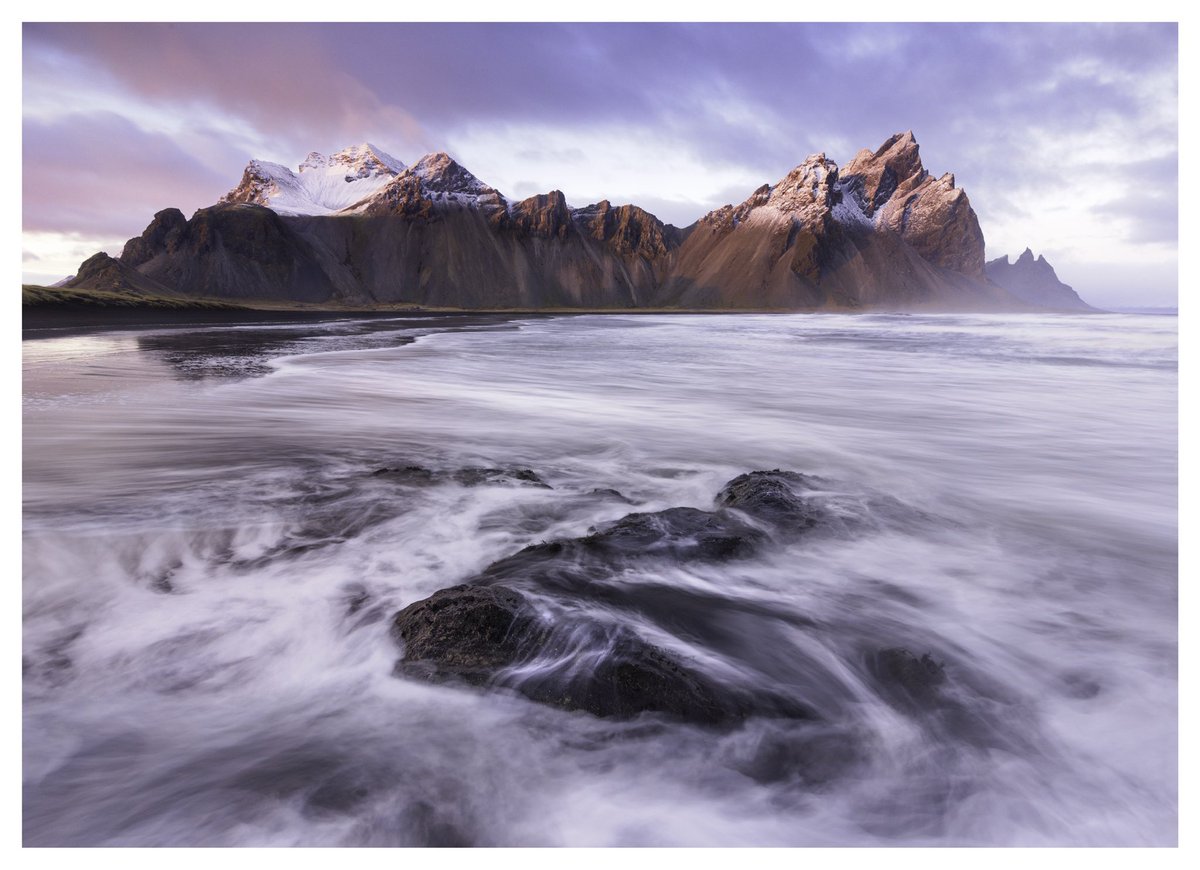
360, 228
1034, 281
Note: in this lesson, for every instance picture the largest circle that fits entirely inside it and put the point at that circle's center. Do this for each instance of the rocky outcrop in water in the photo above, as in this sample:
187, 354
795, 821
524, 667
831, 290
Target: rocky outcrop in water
416, 475
472, 633
362, 229
517, 624
912, 680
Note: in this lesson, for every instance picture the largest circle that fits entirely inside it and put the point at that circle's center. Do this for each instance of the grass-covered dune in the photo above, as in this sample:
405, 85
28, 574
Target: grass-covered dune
35, 296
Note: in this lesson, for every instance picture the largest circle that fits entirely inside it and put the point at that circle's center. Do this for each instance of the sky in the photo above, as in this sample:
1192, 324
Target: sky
1065, 136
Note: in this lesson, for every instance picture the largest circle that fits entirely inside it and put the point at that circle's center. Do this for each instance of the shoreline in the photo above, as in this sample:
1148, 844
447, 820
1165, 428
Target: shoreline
58, 320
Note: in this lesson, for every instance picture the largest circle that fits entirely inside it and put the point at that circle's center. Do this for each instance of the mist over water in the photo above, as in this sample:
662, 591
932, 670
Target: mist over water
211, 566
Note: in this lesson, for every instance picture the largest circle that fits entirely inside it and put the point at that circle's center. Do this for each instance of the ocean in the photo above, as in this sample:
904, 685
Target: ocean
211, 564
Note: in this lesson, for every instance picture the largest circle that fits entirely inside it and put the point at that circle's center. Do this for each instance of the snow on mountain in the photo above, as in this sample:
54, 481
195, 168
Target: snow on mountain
358, 178
848, 212
439, 182
323, 185
446, 180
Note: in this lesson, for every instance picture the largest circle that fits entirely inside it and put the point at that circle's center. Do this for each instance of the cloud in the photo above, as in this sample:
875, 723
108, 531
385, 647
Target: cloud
1151, 217
281, 77
92, 173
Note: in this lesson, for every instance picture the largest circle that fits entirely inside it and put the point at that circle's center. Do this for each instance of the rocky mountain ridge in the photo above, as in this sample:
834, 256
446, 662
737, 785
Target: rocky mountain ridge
1035, 282
361, 228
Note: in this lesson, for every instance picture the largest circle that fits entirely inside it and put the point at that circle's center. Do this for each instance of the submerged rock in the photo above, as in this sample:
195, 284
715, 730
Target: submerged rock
905, 677
487, 632
413, 475
481, 476
609, 492
416, 475
480, 634
682, 533
467, 632
750, 509
771, 496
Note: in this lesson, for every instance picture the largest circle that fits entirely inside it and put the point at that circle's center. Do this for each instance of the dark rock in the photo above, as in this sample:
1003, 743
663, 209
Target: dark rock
482, 476
683, 534
487, 633
162, 236
415, 475
468, 632
626, 677
608, 492
763, 503
771, 496
475, 633
905, 677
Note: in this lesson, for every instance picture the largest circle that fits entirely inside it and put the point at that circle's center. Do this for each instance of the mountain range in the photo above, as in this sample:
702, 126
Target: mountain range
359, 228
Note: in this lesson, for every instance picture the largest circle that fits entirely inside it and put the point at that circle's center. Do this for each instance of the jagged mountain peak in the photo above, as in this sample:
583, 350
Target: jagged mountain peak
434, 183
1034, 280
314, 160
820, 236
814, 168
874, 177
359, 161
321, 185
1028, 260
807, 194
433, 160
905, 141
442, 173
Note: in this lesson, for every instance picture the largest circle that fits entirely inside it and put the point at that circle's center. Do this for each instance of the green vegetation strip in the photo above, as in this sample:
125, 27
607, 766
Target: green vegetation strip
33, 295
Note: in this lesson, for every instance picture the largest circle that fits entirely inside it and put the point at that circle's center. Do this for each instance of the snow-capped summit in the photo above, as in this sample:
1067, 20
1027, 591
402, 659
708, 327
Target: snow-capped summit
440, 172
323, 185
357, 161
434, 183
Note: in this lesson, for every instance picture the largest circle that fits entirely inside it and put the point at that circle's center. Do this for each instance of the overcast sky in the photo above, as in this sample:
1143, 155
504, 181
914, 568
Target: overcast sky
1065, 137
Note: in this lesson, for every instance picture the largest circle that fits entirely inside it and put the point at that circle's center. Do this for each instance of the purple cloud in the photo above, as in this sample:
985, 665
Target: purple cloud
91, 173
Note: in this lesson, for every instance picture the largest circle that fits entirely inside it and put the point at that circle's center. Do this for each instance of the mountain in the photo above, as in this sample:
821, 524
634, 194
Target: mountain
360, 228
322, 185
1034, 281
880, 233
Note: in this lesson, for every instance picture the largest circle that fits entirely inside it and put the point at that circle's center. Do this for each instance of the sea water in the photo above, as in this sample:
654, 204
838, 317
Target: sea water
211, 566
